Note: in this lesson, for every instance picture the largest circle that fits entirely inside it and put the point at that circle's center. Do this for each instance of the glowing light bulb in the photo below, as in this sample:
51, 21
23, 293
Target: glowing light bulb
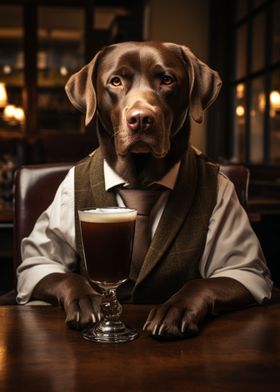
3, 95
240, 111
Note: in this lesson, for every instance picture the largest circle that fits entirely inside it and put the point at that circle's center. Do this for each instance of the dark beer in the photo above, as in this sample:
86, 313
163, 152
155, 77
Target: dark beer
107, 240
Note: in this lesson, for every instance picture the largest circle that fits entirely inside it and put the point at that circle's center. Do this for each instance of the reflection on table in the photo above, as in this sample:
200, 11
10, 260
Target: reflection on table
239, 350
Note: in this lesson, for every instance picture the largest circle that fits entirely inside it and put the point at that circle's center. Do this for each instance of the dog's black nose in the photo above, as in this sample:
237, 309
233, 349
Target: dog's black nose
140, 119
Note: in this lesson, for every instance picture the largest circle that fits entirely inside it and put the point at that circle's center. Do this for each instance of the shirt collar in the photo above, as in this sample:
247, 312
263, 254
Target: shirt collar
112, 179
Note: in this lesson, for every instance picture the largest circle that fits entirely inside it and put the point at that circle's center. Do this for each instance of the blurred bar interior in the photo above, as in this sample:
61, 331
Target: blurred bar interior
43, 42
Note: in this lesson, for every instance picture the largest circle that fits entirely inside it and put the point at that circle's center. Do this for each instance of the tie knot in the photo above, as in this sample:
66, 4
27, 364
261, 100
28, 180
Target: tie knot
141, 200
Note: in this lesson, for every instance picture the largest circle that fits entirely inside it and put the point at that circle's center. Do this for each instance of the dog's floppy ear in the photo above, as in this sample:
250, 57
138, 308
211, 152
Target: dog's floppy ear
80, 90
205, 85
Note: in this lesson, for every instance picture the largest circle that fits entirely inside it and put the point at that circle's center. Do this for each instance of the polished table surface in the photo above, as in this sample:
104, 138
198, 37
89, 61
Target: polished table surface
235, 352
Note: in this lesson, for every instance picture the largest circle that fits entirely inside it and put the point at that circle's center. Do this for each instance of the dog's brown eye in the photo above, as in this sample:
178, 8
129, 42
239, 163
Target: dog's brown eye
167, 79
116, 81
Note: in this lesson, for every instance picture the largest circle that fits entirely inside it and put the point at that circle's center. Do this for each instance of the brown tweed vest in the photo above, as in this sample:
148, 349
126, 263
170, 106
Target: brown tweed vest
177, 246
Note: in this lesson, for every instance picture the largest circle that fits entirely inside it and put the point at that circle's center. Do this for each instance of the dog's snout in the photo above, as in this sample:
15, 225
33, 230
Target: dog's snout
140, 119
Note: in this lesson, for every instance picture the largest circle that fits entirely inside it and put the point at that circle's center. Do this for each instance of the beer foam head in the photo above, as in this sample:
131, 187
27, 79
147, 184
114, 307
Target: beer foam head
107, 215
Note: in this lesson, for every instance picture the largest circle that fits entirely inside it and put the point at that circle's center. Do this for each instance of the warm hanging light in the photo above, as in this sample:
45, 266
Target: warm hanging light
7, 69
275, 99
13, 115
3, 95
9, 112
261, 102
63, 71
240, 111
19, 115
240, 91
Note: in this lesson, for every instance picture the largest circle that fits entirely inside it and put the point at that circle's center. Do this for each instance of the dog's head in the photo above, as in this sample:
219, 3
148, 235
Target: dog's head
142, 94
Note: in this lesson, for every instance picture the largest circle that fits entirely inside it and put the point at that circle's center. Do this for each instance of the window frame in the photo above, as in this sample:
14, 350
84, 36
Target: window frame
223, 29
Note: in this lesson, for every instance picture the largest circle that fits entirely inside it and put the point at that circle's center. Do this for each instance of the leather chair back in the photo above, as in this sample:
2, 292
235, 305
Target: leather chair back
240, 176
35, 187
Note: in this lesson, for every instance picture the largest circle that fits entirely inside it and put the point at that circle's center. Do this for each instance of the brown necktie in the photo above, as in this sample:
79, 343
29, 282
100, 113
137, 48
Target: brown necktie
143, 201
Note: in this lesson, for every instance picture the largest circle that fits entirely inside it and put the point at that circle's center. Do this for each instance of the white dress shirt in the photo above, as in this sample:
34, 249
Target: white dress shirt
232, 248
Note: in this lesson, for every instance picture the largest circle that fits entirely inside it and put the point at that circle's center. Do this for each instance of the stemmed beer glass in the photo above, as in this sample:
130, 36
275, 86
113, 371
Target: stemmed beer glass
107, 235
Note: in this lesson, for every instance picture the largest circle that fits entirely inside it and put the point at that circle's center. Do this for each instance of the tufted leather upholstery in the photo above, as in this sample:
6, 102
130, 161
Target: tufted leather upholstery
35, 187
240, 176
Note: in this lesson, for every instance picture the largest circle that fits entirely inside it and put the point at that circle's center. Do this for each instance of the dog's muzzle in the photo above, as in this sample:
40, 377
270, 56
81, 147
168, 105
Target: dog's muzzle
143, 131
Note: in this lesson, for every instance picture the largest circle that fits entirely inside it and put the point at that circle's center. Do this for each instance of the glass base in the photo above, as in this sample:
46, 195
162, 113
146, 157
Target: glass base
110, 332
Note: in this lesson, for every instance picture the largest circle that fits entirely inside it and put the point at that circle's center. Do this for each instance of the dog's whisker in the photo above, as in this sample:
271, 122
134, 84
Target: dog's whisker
116, 132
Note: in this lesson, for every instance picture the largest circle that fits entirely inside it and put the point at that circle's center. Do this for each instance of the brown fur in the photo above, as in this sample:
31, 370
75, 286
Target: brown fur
143, 155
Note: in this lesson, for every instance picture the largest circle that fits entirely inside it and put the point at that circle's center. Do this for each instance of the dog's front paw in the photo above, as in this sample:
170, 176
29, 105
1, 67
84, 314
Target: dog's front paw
83, 312
171, 322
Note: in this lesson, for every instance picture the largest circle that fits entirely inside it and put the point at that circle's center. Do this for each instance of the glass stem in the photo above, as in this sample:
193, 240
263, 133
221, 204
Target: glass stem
111, 307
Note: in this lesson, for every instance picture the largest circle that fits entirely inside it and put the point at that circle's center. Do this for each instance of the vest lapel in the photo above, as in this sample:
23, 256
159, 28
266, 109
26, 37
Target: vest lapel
173, 217
90, 192
97, 183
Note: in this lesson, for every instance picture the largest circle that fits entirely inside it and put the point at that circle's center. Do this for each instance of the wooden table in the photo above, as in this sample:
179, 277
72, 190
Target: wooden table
239, 351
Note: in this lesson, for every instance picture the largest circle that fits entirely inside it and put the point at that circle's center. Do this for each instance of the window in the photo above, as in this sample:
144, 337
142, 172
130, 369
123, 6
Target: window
255, 82
11, 68
60, 54
41, 46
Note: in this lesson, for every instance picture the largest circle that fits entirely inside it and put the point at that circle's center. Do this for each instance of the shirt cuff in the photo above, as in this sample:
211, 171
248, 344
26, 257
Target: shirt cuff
259, 286
27, 280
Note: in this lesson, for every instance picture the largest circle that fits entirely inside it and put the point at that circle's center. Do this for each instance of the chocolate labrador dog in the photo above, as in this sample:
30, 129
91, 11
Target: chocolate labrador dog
140, 96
